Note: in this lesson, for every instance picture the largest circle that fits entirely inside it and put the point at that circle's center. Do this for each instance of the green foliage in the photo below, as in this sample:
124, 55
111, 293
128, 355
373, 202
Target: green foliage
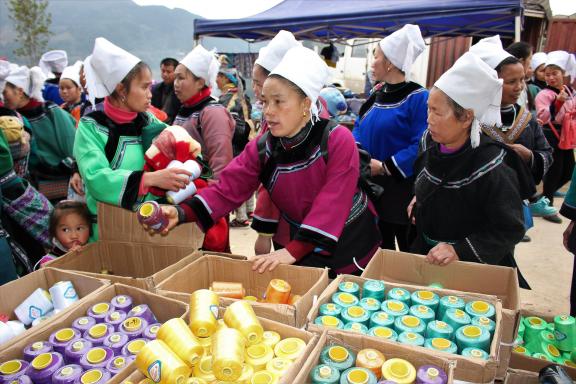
32, 24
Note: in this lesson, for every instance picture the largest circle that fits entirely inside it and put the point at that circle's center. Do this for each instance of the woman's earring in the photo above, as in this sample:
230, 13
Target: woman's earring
304, 114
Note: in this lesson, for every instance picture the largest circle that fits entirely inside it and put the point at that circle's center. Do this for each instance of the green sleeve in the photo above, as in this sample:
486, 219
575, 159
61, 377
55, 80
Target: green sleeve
6, 162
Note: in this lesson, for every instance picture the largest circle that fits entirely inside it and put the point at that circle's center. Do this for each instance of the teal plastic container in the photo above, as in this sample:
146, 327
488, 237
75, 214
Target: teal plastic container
345, 299
329, 322
411, 338
399, 294
409, 323
438, 328
338, 357
356, 327
424, 313
480, 308
456, 318
330, 309
449, 302
374, 289
485, 322
324, 374
471, 336
383, 333
382, 319
355, 314
475, 353
441, 344
395, 308
370, 304
427, 298
349, 287
358, 375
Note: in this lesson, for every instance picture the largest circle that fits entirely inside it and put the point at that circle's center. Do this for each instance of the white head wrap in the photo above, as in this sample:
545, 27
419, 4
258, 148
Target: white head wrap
72, 73
31, 80
538, 59
271, 55
53, 62
563, 60
403, 47
490, 50
204, 64
5, 68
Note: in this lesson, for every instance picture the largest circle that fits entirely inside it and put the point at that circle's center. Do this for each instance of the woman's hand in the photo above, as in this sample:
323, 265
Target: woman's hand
76, 184
410, 209
263, 245
567, 234
271, 260
563, 95
377, 168
524, 153
171, 214
170, 179
442, 254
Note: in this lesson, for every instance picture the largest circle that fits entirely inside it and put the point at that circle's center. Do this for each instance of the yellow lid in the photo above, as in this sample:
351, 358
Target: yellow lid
432, 373
484, 320
42, 361
383, 316
325, 372
382, 332
338, 354
480, 306
154, 329
357, 376
570, 363
136, 309
410, 321
250, 298
549, 336
452, 299
280, 285
535, 321
97, 331
423, 309
459, 313
257, 351
83, 321
553, 350
370, 301
478, 353
65, 334
90, 377
10, 367
411, 336
146, 209
425, 295
472, 331
441, 324
115, 338
518, 349
356, 327
78, 345
356, 311
399, 292
37, 345
96, 355
132, 324
331, 306
67, 371
330, 321
348, 285
346, 298
441, 343
400, 369
119, 362
395, 306
100, 308
263, 377
136, 345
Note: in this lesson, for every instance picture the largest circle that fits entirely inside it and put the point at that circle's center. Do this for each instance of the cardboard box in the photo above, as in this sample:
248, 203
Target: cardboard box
307, 282
164, 308
502, 282
15, 292
467, 369
518, 376
357, 342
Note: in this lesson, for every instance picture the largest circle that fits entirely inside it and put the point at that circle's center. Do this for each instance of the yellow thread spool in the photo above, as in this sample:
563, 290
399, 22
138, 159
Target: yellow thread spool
241, 316
271, 338
157, 362
278, 365
176, 334
228, 354
399, 370
203, 312
203, 370
250, 298
278, 292
247, 373
371, 359
221, 325
264, 377
294, 299
290, 348
206, 343
196, 380
258, 356
228, 289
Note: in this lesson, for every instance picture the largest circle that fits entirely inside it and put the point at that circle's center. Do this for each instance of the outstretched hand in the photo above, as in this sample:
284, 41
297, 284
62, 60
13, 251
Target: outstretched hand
271, 260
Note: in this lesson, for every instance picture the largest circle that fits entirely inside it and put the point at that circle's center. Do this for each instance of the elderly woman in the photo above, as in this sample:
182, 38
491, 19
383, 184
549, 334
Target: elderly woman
468, 199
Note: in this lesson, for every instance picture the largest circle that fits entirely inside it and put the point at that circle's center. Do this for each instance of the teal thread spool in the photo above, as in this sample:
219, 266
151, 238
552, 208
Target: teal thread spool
411, 338
521, 327
358, 375
324, 374
374, 289
409, 323
356, 314
370, 304
344, 299
449, 302
438, 328
427, 298
349, 287
456, 318
395, 308
441, 344
534, 325
338, 357
573, 356
475, 353
480, 308
566, 355
551, 327
382, 319
329, 322
473, 336
424, 313
356, 327
383, 333
565, 331
436, 285
399, 294
541, 356
485, 322
547, 349
538, 344
330, 309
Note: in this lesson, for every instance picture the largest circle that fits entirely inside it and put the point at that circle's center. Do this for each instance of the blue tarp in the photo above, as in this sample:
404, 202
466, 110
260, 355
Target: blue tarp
346, 19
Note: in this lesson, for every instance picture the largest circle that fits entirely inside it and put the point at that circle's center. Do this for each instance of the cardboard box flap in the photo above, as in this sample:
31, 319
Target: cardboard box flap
118, 224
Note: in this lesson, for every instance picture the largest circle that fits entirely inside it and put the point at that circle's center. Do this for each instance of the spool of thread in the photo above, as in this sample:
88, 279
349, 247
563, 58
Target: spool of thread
533, 326
400, 294
484, 322
324, 374
278, 292
427, 298
96, 357
247, 373
447, 302
63, 295
395, 308
37, 348
134, 327
383, 333
98, 333
99, 311
203, 312
521, 327
228, 289
441, 344
475, 353
258, 356
517, 349
344, 299
264, 377
118, 363
374, 289
330, 309
6, 332
435, 285
190, 189
290, 348
356, 327
411, 338
43, 367
221, 325
381, 319
399, 370
178, 336
151, 331
68, 374
36, 305
541, 356
356, 314
565, 331
115, 318
133, 347
160, 364
116, 341
241, 316
143, 311
358, 375
16, 326
83, 324
278, 366
122, 303
22, 380
568, 363
371, 359
13, 369
431, 374
150, 214
206, 343
62, 337
370, 304
75, 350
472, 336
94, 376
349, 287
329, 322
456, 318
294, 299
228, 354
550, 327
271, 338
480, 308
250, 298
437, 328
424, 313
42, 319
338, 357
204, 369
409, 324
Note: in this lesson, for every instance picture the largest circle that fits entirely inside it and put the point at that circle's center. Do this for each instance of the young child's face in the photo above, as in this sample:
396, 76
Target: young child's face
72, 231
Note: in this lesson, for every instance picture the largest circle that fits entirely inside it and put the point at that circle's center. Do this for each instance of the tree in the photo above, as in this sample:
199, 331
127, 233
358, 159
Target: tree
32, 25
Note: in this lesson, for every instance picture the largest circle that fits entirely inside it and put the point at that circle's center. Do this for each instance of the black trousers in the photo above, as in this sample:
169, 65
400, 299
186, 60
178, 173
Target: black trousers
561, 170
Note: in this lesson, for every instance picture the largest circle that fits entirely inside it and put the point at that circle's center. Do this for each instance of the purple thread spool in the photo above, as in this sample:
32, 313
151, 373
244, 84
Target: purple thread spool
144, 312
122, 303
21, 380
116, 341
83, 323
94, 376
36, 348
43, 367
98, 333
431, 374
134, 327
96, 357
61, 338
115, 318
13, 369
151, 331
75, 350
99, 311
68, 374
118, 363
133, 347
150, 214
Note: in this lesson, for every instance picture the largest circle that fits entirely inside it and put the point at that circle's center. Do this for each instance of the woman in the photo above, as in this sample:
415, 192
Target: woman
468, 200
538, 80
53, 130
71, 90
390, 126
552, 103
332, 223
110, 144
523, 52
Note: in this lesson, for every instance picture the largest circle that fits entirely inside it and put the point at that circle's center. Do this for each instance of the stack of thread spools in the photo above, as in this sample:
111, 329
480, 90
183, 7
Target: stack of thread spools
92, 350
554, 341
234, 349
420, 318
278, 292
341, 365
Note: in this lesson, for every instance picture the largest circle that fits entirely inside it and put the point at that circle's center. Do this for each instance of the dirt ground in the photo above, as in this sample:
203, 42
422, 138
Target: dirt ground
544, 262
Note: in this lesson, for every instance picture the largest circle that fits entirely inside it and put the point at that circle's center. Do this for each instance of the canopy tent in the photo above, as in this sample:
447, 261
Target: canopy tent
323, 20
